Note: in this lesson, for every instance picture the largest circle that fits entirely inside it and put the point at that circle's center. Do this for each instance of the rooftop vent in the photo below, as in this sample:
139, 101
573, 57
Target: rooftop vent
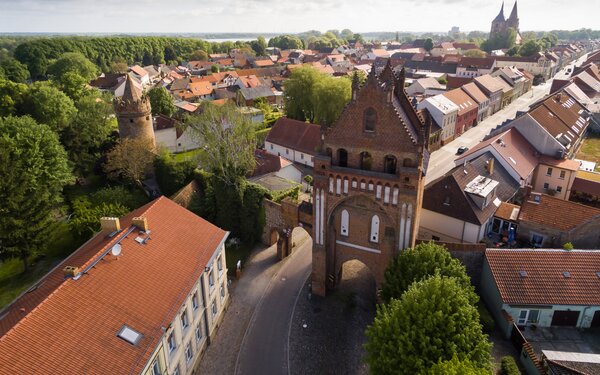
566, 274
523, 273
129, 334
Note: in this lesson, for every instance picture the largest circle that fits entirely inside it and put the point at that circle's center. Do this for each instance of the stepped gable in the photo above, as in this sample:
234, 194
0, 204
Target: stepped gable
385, 94
133, 99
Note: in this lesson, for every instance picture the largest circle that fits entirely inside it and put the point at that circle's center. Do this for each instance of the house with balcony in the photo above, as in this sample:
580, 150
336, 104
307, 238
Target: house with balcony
145, 295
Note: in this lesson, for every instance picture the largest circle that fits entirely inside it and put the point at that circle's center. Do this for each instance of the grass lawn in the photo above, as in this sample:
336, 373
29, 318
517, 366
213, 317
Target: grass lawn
193, 154
590, 150
13, 281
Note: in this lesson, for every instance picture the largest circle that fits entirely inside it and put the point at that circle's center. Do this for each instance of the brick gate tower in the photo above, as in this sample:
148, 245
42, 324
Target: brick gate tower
368, 180
134, 114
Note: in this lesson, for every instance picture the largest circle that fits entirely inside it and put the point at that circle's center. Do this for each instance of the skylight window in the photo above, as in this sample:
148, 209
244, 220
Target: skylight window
523, 273
566, 274
129, 334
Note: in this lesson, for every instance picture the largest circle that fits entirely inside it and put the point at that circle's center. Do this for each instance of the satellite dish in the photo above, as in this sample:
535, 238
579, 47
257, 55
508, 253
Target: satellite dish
116, 250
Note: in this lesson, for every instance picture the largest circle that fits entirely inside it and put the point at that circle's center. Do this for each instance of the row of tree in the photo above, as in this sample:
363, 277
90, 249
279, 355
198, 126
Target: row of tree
429, 322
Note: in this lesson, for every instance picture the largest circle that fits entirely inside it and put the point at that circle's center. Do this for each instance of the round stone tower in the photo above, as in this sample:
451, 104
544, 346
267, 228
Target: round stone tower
134, 114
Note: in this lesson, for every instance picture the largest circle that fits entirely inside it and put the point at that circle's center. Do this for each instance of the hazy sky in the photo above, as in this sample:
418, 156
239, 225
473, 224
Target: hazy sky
286, 15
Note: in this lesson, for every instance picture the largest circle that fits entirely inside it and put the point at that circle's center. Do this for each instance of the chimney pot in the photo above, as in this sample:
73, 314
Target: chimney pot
140, 222
491, 166
110, 224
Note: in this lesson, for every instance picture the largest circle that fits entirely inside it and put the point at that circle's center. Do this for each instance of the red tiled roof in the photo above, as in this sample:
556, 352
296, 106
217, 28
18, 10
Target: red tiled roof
294, 134
474, 92
268, 163
464, 102
456, 82
544, 283
70, 326
557, 213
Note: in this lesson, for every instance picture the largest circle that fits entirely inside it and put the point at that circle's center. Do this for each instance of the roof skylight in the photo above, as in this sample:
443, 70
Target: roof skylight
129, 334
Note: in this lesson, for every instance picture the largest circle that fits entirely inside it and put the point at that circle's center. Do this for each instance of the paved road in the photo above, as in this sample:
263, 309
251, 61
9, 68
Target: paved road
442, 160
264, 348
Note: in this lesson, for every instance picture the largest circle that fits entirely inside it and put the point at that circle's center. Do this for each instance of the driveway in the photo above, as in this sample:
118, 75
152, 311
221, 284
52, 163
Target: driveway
265, 346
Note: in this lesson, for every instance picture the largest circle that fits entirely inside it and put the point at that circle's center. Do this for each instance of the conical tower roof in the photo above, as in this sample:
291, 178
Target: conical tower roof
500, 16
513, 13
132, 93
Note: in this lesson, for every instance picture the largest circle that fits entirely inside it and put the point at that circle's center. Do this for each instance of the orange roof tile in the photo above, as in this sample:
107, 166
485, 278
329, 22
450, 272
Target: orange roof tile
544, 283
70, 326
550, 212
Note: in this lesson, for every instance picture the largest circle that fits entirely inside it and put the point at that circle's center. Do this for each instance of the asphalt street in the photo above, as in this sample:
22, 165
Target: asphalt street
264, 349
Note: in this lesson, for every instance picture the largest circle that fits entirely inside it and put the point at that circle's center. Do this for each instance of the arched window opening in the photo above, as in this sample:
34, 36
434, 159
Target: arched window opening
370, 119
345, 221
374, 229
407, 162
389, 164
342, 157
365, 161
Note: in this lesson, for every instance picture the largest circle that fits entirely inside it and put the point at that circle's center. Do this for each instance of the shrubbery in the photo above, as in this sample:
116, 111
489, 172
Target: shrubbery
508, 366
171, 174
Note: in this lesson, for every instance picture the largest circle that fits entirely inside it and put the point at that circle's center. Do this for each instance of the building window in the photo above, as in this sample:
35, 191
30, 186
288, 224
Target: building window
220, 264
302, 156
390, 164
528, 317
214, 307
342, 157
562, 175
184, 319
222, 291
537, 240
172, 343
271, 147
549, 172
188, 352
370, 119
176, 371
211, 279
447, 201
365, 161
198, 333
345, 221
546, 186
374, 229
558, 189
156, 367
195, 301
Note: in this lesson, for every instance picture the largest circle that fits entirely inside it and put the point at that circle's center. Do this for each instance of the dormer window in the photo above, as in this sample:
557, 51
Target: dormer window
370, 119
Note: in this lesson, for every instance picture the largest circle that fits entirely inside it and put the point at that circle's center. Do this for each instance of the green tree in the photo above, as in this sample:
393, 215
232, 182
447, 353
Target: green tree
286, 42
130, 160
118, 195
530, 48
198, 55
161, 101
34, 170
228, 140
419, 263
456, 367
170, 55
259, 46
73, 62
298, 93
433, 321
508, 366
12, 96
214, 68
84, 136
72, 84
171, 174
330, 97
428, 45
14, 70
48, 105
475, 53
86, 216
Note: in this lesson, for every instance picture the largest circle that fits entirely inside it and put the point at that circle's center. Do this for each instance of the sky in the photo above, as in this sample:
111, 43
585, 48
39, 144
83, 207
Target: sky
281, 16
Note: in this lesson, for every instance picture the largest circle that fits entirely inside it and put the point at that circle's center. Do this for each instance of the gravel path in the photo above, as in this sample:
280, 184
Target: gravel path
327, 334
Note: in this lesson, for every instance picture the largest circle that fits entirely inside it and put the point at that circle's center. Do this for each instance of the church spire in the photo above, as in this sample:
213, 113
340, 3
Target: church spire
500, 16
513, 13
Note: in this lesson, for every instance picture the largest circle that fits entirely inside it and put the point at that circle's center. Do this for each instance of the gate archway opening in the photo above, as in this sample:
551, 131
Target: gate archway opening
356, 278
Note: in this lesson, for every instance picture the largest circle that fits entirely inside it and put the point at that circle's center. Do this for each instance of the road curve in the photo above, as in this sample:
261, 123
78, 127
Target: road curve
264, 349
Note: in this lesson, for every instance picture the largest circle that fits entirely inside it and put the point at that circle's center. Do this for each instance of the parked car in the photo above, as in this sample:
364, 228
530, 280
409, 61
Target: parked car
462, 150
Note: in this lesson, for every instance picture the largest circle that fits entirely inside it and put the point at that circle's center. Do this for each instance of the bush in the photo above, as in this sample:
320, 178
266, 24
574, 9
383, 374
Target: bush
171, 174
485, 318
568, 246
86, 220
508, 366
293, 193
261, 135
118, 195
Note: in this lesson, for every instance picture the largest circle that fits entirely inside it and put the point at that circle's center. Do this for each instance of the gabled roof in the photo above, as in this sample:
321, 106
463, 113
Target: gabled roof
560, 114
296, 135
464, 102
474, 92
139, 70
268, 163
488, 83
550, 212
476, 62
447, 195
544, 282
68, 326
251, 93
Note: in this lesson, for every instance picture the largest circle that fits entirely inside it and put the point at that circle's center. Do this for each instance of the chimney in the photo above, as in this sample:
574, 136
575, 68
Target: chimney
110, 224
490, 166
140, 222
71, 271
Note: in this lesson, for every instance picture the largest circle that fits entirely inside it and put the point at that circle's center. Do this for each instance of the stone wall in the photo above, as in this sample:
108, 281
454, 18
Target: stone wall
273, 220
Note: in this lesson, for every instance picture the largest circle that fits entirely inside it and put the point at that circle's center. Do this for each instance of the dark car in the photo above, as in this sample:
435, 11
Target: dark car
462, 150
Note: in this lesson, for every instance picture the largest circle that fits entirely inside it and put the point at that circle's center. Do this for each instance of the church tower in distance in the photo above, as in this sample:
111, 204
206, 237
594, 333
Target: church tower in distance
368, 180
134, 114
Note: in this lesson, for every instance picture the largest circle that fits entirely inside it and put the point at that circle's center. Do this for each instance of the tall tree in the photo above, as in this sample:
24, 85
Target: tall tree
14, 70
298, 93
198, 55
73, 62
457, 367
130, 160
428, 45
34, 170
529, 48
421, 262
433, 321
11, 97
161, 101
48, 105
330, 97
228, 140
72, 84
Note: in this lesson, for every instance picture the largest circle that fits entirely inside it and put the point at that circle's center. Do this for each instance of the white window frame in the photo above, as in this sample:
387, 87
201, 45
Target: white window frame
183, 318
198, 333
176, 371
195, 302
345, 221
527, 319
374, 233
189, 352
156, 367
211, 279
214, 309
220, 264
171, 342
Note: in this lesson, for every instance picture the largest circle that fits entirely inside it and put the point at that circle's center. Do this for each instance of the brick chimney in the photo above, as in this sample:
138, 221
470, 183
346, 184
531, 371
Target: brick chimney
140, 222
110, 224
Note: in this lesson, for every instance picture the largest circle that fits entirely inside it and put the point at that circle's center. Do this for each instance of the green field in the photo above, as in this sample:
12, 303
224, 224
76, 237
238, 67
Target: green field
590, 150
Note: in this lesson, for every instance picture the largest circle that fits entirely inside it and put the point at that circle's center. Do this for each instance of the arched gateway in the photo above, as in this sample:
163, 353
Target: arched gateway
366, 205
